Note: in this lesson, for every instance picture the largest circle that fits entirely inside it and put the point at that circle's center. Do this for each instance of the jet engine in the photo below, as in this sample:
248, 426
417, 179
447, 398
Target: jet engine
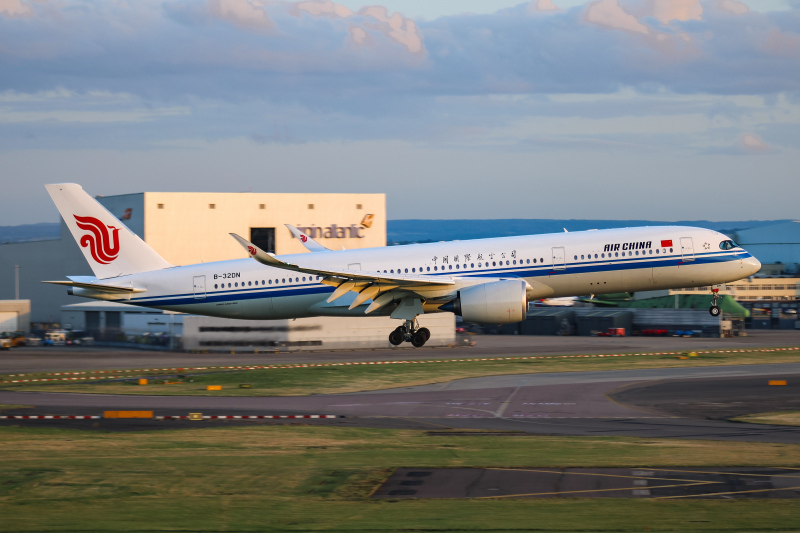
497, 302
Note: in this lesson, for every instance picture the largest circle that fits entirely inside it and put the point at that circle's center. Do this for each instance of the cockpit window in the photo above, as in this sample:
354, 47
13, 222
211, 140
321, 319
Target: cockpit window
727, 245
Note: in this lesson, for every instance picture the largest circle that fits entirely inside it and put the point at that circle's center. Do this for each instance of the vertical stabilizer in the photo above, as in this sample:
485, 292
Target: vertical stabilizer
110, 248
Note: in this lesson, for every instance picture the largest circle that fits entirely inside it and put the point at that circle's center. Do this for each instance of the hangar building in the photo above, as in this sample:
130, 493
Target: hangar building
189, 227
775, 243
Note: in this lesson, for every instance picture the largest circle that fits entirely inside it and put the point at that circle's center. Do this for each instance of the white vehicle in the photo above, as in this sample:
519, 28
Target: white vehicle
485, 280
57, 337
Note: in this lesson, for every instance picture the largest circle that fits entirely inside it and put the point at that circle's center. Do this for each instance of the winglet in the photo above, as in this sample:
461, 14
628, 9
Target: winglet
260, 255
310, 244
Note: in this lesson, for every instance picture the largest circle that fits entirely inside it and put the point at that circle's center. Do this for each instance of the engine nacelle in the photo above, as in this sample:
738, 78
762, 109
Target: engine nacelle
497, 302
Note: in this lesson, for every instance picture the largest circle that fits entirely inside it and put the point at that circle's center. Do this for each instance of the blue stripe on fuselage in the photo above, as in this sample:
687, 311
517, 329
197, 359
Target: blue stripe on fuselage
521, 271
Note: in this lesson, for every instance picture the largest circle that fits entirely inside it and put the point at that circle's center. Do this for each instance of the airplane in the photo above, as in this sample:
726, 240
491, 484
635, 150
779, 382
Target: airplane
484, 280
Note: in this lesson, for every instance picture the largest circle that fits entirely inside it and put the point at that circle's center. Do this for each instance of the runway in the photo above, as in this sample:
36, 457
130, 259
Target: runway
652, 403
75, 358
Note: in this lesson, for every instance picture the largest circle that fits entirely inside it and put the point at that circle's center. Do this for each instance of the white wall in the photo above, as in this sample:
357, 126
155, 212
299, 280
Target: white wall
319, 333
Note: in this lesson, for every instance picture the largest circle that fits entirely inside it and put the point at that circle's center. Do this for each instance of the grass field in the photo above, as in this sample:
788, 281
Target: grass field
785, 418
343, 378
302, 478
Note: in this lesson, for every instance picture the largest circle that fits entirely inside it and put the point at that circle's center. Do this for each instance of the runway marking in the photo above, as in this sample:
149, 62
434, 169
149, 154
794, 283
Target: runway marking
737, 473
543, 471
592, 490
722, 493
119, 373
164, 417
507, 402
49, 417
244, 417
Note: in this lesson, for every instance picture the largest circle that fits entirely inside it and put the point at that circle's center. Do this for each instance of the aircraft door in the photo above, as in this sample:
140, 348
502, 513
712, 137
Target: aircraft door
559, 262
199, 287
687, 249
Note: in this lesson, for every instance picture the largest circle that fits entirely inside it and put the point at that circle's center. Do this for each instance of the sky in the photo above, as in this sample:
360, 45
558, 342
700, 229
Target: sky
599, 109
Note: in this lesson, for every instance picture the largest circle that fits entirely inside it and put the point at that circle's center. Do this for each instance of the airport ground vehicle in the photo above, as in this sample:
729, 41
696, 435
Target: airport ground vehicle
15, 338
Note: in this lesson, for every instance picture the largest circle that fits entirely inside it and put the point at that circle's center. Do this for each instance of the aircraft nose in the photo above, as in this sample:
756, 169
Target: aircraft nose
751, 265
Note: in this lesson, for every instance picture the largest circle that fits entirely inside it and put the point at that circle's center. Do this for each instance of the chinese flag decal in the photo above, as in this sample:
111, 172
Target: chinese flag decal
666, 244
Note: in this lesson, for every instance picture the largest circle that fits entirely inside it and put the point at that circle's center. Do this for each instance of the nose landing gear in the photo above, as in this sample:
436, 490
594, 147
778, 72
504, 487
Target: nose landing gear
714, 309
409, 332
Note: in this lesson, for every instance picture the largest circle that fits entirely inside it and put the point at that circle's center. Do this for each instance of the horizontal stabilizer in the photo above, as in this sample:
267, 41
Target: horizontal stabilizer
102, 287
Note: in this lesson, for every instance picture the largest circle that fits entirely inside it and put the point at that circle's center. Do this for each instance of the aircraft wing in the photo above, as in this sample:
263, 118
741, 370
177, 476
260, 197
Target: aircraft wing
379, 287
310, 244
356, 275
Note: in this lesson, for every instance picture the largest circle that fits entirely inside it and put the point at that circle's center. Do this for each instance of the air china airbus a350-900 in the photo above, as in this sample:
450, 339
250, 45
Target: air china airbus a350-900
484, 280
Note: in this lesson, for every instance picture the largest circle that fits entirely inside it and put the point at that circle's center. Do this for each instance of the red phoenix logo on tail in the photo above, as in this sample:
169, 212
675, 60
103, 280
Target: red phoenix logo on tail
303, 238
99, 240
252, 250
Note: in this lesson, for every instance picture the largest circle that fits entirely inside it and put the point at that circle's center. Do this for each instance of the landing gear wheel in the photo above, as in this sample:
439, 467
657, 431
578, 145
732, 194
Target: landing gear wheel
714, 310
426, 332
418, 339
397, 337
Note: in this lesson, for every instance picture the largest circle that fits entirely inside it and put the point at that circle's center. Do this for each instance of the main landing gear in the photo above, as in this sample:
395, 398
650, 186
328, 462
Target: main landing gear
409, 332
714, 310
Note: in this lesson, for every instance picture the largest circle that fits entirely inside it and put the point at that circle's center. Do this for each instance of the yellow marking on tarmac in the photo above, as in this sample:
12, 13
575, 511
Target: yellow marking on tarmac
722, 493
590, 490
601, 475
718, 473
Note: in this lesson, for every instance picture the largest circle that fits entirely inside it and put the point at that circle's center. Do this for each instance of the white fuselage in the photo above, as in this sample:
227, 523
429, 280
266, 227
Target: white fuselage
554, 265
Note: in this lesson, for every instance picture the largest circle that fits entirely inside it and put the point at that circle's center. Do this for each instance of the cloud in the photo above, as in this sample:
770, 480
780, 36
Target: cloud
733, 6
609, 14
681, 10
324, 7
751, 143
167, 49
14, 8
246, 14
542, 6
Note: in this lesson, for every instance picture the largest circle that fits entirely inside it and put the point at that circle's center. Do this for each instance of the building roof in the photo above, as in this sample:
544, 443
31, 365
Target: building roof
783, 233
